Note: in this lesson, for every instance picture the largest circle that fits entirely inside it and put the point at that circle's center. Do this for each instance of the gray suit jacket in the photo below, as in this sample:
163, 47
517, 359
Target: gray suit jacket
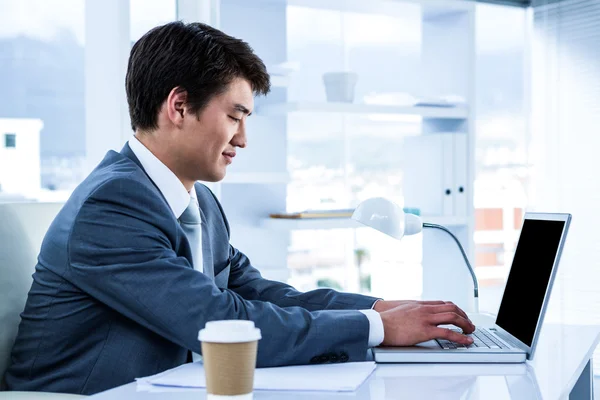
114, 295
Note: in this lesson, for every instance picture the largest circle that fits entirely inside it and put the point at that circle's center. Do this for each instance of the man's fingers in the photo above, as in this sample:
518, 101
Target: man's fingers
441, 333
432, 302
454, 319
447, 307
460, 311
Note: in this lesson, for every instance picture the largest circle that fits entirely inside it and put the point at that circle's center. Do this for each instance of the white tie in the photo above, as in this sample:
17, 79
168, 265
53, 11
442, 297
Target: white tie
191, 223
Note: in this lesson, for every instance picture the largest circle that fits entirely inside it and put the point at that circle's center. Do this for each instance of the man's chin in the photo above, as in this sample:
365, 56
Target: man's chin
220, 176
216, 177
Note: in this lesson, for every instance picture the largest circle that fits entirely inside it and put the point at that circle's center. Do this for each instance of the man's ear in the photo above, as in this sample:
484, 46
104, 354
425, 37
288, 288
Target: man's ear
176, 105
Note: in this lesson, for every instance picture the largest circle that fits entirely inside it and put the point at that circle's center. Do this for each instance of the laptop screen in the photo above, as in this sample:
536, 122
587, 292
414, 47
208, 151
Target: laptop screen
529, 277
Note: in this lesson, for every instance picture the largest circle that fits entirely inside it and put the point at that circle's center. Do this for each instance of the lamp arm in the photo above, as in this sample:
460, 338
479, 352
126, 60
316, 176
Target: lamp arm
471, 271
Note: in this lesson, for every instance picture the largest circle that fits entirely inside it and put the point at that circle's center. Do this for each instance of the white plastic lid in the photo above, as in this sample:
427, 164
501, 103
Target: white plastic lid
229, 331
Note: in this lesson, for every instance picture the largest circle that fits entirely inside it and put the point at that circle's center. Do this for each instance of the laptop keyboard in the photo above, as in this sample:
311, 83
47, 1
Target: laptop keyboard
481, 339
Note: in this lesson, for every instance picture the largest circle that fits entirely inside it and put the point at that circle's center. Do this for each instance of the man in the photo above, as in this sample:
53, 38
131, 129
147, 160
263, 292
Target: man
139, 259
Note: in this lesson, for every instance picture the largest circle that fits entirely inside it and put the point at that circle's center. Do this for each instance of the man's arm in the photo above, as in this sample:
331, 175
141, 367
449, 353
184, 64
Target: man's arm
247, 281
393, 323
121, 254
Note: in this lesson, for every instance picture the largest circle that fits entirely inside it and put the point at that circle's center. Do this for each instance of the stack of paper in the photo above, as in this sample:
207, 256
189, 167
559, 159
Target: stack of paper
345, 377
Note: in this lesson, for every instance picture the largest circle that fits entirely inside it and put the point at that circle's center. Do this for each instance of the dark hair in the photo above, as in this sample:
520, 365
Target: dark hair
197, 58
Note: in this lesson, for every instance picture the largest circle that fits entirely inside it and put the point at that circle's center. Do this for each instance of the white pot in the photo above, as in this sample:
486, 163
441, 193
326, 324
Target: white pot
339, 86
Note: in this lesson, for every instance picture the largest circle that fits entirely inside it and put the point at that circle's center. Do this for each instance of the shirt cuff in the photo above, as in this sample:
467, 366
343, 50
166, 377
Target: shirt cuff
375, 327
376, 301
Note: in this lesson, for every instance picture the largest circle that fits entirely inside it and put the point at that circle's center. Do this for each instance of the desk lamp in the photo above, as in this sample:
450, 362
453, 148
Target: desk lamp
389, 218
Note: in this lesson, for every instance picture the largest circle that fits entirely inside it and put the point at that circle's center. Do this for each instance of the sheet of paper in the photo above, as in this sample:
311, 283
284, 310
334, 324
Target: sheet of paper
343, 377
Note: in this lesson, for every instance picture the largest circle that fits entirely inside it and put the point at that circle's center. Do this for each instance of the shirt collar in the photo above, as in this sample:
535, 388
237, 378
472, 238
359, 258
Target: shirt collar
167, 182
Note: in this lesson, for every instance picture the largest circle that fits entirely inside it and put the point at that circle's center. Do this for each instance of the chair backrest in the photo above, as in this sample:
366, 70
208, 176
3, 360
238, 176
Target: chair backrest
22, 229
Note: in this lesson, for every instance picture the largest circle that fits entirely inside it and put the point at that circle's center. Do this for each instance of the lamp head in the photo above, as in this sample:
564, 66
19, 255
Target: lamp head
387, 217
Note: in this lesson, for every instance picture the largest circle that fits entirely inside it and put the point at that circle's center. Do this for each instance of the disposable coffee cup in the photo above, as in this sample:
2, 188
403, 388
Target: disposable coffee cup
229, 354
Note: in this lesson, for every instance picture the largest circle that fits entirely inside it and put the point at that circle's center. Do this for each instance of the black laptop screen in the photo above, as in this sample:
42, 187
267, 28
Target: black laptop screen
528, 278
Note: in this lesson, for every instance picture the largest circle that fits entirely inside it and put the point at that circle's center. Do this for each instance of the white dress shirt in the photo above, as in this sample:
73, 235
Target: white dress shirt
178, 199
169, 185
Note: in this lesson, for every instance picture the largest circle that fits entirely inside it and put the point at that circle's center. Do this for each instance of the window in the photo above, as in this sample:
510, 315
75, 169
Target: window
42, 76
10, 140
42, 48
147, 14
502, 170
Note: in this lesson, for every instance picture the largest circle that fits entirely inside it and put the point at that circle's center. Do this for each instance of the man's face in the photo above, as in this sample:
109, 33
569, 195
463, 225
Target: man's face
207, 144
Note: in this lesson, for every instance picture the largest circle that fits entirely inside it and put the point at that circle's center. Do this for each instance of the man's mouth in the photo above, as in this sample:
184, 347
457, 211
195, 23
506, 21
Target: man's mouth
229, 156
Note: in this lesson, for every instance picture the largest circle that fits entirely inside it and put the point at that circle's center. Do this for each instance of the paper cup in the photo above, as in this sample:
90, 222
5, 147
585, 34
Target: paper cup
229, 353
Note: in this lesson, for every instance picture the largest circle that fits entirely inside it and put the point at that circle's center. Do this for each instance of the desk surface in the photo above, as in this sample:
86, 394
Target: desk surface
563, 353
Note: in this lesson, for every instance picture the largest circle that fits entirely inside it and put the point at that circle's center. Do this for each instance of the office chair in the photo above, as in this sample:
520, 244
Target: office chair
22, 228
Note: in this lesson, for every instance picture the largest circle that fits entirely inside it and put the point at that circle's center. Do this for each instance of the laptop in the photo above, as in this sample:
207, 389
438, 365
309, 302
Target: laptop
513, 336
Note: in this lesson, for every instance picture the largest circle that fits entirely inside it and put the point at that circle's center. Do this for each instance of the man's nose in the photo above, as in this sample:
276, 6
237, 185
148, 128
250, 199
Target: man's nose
240, 140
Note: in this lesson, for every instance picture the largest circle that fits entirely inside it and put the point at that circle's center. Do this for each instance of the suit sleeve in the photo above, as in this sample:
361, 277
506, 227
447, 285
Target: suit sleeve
247, 281
121, 255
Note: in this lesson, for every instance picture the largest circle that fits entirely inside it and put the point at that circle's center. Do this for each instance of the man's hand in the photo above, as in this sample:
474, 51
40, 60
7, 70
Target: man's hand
412, 322
384, 305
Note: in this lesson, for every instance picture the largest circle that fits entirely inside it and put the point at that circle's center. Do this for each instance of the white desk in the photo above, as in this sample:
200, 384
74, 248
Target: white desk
562, 369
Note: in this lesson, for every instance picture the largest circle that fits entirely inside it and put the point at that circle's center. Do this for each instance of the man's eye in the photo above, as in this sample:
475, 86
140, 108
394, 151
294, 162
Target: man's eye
235, 119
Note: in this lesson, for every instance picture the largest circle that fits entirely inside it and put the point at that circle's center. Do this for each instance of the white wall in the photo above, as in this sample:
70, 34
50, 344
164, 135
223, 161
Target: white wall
20, 166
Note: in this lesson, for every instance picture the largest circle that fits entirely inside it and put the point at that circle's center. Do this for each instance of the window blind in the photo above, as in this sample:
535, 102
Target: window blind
518, 3
565, 92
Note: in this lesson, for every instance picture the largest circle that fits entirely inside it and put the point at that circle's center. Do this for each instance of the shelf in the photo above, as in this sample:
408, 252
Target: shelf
309, 223
458, 112
280, 81
343, 223
257, 177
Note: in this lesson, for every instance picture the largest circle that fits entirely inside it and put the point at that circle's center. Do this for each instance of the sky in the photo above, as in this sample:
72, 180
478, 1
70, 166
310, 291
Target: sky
45, 19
